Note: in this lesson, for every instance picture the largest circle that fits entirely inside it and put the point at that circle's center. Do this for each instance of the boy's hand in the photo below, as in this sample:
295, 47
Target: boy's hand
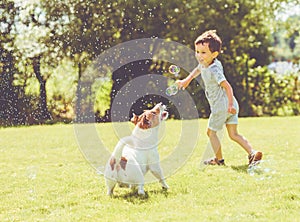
231, 109
182, 84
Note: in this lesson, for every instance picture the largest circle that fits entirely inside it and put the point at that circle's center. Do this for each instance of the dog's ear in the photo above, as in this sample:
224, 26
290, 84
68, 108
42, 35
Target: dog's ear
134, 119
164, 115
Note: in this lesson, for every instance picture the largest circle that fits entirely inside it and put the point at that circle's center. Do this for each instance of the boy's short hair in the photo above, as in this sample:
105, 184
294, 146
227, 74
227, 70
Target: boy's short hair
213, 40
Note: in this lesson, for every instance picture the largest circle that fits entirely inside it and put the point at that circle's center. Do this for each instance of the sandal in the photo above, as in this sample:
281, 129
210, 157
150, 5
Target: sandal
215, 161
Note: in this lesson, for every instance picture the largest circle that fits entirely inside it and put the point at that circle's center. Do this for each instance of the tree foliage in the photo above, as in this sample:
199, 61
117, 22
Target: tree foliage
73, 33
8, 92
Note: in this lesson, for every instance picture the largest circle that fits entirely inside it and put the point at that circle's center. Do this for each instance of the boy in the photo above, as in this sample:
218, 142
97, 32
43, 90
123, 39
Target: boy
223, 105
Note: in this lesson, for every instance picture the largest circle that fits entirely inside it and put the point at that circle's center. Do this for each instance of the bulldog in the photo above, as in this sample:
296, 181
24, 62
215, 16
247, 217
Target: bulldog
135, 155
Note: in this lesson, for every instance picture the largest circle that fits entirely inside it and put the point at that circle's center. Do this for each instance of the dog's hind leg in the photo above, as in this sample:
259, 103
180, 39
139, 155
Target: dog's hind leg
110, 184
141, 189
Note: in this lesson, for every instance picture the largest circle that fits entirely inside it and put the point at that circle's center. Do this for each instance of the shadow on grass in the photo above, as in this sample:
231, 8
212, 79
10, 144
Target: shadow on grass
134, 198
162, 191
241, 168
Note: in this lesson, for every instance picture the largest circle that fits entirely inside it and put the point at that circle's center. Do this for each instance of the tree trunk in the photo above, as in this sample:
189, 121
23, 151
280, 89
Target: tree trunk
78, 108
45, 114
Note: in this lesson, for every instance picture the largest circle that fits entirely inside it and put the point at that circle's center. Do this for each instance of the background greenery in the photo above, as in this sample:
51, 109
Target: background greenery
44, 177
45, 47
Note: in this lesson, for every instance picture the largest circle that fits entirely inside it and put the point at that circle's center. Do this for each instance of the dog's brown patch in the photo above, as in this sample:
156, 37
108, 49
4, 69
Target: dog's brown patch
112, 163
123, 163
144, 123
135, 119
150, 118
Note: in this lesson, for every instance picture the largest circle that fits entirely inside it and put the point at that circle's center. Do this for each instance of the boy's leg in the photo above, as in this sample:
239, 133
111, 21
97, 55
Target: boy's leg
215, 123
253, 156
235, 136
208, 157
209, 151
215, 143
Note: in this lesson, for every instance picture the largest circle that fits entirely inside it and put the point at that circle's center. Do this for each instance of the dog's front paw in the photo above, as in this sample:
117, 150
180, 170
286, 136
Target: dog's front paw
110, 193
165, 186
141, 192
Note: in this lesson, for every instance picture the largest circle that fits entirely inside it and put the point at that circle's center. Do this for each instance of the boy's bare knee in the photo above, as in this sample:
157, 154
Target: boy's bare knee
210, 133
234, 136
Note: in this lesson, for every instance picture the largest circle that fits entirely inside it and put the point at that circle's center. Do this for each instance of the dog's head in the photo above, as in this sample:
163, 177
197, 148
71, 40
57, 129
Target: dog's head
151, 118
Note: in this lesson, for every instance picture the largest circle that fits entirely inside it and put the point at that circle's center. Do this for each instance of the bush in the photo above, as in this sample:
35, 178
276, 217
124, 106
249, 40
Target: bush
273, 94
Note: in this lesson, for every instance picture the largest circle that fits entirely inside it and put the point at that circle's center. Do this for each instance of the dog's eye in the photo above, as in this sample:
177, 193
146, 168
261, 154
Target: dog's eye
153, 113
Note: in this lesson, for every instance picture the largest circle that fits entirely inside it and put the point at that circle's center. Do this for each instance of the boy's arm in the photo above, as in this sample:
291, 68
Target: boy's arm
182, 84
229, 92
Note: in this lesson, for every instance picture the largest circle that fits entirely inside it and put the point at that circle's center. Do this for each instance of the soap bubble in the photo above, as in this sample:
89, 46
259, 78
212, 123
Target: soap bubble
31, 175
173, 69
261, 171
172, 90
32, 172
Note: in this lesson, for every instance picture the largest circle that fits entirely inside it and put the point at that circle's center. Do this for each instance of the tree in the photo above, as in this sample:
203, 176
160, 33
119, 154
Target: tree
87, 29
83, 30
287, 46
45, 115
8, 92
241, 25
37, 42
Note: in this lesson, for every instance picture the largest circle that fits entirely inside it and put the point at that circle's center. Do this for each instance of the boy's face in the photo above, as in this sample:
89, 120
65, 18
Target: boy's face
203, 54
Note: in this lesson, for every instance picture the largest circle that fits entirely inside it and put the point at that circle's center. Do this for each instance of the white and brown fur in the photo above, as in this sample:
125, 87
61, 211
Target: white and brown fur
134, 155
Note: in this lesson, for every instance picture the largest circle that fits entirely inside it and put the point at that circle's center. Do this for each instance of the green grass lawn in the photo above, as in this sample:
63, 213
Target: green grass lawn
44, 177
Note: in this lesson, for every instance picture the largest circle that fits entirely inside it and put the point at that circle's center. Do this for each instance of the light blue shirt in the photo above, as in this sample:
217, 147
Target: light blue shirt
212, 77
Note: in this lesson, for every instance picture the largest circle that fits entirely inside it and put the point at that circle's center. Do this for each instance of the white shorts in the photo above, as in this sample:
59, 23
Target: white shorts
219, 117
